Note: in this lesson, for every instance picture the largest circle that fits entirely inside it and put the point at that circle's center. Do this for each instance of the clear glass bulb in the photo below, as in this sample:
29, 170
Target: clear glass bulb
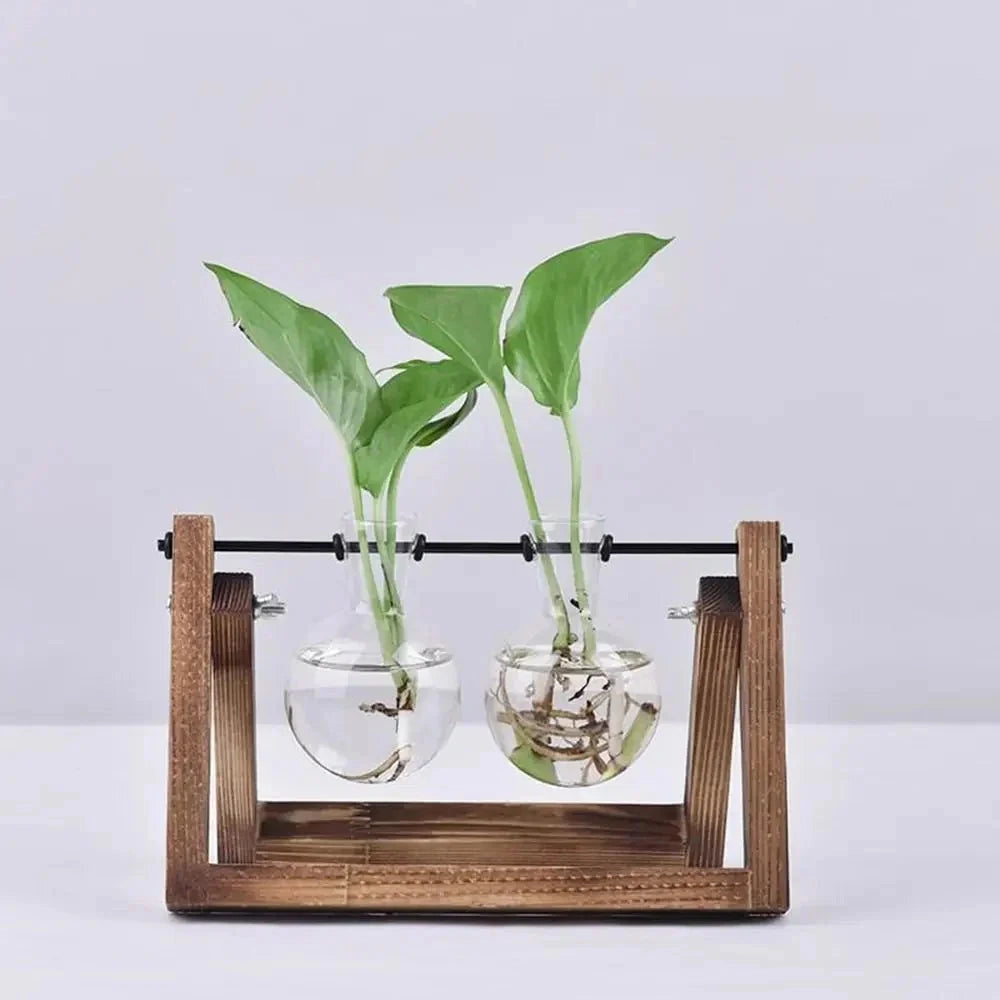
367, 698
571, 703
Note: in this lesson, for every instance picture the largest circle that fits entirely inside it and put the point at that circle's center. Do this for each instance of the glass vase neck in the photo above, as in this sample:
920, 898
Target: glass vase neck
378, 555
568, 561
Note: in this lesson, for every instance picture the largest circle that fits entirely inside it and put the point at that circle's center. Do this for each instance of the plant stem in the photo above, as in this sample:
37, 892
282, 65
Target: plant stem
390, 496
517, 452
387, 503
633, 741
405, 689
371, 587
406, 685
579, 576
385, 541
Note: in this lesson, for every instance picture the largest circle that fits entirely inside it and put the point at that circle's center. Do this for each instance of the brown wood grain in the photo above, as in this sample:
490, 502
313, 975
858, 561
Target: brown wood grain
235, 728
713, 719
465, 888
475, 833
189, 731
762, 716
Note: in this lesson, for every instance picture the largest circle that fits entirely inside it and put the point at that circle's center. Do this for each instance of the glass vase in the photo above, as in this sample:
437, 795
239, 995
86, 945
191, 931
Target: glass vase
572, 703
367, 697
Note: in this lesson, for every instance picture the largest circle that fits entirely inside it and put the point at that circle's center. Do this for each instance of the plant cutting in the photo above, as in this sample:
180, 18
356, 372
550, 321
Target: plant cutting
575, 716
379, 425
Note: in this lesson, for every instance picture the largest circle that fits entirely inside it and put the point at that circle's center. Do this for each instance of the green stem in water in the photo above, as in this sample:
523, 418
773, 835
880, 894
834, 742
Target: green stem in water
385, 541
386, 503
579, 575
387, 554
405, 695
371, 587
517, 452
634, 741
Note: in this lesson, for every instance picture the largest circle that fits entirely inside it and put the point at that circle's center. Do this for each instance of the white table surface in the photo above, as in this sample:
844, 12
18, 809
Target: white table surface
895, 836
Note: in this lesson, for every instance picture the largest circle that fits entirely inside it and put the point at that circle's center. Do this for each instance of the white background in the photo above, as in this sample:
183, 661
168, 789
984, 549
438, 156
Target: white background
818, 345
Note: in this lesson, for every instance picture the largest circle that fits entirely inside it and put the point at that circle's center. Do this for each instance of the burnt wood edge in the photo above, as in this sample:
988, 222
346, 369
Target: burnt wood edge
234, 717
712, 722
361, 888
762, 716
189, 729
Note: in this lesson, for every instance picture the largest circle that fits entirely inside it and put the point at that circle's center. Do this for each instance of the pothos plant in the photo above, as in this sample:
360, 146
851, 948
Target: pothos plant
541, 350
379, 425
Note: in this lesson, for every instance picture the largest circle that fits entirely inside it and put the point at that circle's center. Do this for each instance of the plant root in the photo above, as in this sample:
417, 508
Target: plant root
379, 708
583, 735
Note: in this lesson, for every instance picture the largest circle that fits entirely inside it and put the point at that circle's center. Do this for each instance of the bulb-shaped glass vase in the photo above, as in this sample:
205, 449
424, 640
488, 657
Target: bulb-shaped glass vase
571, 703
367, 697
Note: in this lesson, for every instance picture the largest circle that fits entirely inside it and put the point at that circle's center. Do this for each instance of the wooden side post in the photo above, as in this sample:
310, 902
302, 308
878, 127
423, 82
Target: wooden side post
190, 666
762, 716
233, 701
713, 719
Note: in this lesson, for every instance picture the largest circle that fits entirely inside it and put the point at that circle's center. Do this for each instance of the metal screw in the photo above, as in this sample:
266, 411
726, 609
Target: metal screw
267, 606
686, 612
689, 612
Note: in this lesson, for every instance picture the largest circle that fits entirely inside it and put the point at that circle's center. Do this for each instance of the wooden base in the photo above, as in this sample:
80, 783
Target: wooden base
383, 857
470, 833
463, 857
360, 888
504, 857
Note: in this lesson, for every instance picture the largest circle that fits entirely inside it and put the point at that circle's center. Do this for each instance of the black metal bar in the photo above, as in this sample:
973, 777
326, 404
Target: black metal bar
605, 547
258, 545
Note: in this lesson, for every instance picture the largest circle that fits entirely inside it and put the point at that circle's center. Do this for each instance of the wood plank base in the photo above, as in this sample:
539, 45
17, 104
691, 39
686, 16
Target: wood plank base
359, 888
470, 833
468, 857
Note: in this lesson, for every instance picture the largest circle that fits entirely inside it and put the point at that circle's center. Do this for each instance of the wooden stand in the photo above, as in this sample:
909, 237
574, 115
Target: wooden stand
458, 857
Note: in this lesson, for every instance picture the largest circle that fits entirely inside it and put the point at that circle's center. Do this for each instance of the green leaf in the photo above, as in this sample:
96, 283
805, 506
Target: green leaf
461, 321
436, 429
401, 366
555, 305
309, 348
410, 400
534, 764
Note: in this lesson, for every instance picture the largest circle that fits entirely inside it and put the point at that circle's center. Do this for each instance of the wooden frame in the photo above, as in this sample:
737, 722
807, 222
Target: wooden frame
461, 857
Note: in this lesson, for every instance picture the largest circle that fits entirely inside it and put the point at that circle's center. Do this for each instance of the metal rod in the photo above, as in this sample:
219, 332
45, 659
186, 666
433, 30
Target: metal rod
337, 546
